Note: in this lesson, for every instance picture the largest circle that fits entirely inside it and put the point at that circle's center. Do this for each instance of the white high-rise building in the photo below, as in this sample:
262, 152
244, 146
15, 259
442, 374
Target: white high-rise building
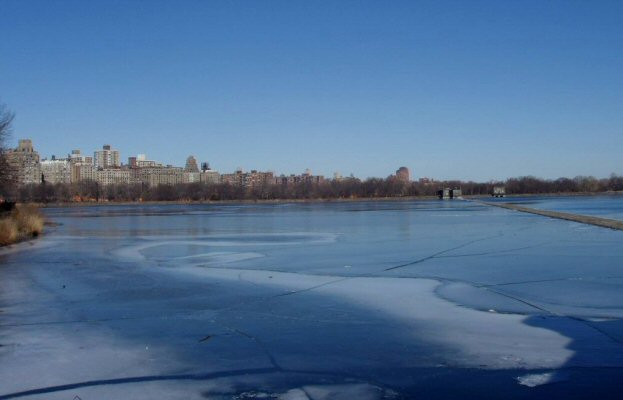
191, 165
56, 171
77, 157
107, 158
24, 163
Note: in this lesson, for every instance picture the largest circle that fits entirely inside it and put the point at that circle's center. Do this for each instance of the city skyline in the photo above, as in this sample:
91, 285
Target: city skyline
480, 91
195, 165
131, 160
105, 168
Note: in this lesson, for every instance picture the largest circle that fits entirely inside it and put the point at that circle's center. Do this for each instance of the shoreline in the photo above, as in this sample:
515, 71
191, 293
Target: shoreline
24, 244
25, 222
583, 219
560, 194
331, 200
232, 202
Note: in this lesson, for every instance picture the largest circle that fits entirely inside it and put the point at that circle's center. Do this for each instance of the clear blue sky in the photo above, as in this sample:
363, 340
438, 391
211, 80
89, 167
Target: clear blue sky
466, 89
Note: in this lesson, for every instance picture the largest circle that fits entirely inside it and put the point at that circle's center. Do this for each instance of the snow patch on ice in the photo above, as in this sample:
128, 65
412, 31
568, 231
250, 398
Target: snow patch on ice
533, 380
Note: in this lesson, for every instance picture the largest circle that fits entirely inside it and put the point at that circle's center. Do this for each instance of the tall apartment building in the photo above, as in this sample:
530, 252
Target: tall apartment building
234, 179
403, 174
191, 177
141, 161
24, 163
209, 176
113, 176
191, 165
81, 171
248, 179
107, 158
295, 179
154, 176
306, 177
77, 157
260, 178
56, 171
147, 163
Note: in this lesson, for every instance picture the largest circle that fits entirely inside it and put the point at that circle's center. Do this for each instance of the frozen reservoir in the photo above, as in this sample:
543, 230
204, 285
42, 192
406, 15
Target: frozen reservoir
341, 300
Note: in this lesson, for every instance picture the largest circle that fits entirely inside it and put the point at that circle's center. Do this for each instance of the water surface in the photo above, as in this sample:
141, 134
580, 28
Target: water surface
606, 206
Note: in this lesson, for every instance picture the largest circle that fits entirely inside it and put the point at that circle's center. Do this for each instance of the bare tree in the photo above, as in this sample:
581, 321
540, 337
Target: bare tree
6, 120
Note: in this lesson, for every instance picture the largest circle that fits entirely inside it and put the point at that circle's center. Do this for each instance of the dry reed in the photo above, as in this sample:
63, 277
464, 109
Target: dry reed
8, 231
24, 222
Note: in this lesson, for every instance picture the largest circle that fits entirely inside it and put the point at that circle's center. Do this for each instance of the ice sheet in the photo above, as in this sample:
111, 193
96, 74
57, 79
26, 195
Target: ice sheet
413, 298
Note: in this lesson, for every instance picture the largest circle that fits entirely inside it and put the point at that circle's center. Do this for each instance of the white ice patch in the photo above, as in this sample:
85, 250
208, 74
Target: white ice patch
486, 340
219, 258
55, 356
361, 391
483, 339
136, 252
533, 380
294, 394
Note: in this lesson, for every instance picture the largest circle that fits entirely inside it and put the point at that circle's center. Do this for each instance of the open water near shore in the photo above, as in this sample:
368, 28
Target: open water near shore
362, 300
606, 206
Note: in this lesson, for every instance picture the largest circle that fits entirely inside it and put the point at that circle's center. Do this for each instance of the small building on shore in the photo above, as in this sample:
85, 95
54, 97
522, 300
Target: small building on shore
443, 194
498, 191
448, 194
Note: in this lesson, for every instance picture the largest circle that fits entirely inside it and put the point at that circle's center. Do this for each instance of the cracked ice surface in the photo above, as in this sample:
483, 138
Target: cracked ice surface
371, 299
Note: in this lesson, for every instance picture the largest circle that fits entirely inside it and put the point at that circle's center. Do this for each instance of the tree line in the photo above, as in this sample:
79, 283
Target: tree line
6, 119
349, 188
